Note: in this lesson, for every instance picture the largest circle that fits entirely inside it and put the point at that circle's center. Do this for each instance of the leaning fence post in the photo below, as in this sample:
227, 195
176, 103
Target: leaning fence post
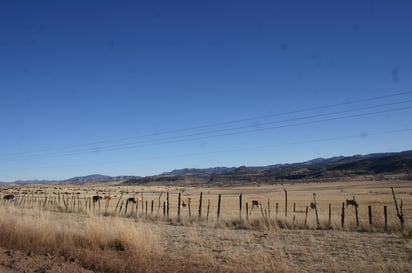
399, 212
357, 216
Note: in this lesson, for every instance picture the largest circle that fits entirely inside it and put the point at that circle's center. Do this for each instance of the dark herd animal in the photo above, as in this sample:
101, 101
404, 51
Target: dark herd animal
9, 197
255, 203
131, 200
96, 198
352, 202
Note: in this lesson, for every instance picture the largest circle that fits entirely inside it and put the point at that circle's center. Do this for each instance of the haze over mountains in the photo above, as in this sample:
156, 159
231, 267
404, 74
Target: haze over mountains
318, 169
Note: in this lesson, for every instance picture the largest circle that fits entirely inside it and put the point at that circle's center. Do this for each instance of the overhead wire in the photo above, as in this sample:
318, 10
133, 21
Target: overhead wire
89, 147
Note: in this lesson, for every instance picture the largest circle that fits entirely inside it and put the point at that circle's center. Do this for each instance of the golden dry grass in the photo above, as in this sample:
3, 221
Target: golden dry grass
105, 241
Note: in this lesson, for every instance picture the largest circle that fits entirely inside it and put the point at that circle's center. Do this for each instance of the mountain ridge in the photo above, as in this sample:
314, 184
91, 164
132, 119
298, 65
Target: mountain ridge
337, 167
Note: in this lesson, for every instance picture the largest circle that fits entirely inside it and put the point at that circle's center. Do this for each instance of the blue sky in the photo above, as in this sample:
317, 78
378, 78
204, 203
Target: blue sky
143, 87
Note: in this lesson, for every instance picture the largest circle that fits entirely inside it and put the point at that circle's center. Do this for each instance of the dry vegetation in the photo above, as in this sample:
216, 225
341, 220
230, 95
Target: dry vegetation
104, 238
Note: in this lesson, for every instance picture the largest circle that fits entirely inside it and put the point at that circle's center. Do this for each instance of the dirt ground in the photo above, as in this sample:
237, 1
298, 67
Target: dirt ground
13, 261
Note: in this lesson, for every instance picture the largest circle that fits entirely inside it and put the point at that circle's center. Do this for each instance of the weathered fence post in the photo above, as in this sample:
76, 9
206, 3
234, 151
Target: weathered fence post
343, 215
146, 208
316, 210
277, 209
178, 206
208, 209
200, 204
330, 216
219, 201
121, 206
356, 215
189, 208
120, 198
141, 194
167, 204
370, 214
240, 205
306, 215
151, 208
399, 212
385, 213
286, 202
294, 213
247, 211
125, 209
268, 208
164, 208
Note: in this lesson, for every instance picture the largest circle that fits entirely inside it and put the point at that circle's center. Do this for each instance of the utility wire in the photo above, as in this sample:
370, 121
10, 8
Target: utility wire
232, 131
85, 146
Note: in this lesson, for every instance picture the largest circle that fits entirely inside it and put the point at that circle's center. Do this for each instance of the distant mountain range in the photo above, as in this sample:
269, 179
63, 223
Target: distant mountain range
371, 166
78, 179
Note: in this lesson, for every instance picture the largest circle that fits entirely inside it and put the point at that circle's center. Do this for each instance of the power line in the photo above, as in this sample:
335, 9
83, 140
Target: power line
85, 146
233, 131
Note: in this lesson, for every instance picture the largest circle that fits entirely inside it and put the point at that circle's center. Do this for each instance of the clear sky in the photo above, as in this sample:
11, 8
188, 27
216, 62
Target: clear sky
144, 87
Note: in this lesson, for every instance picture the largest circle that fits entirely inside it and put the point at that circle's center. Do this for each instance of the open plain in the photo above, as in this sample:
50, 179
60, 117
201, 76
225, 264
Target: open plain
53, 226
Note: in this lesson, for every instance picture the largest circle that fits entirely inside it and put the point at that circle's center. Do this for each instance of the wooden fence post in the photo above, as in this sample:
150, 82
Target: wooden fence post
316, 210
330, 216
356, 215
167, 204
370, 214
286, 202
306, 214
247, 211
115, 210
200, 204
219, 201
277, 209
268, 208
385, 213
178, 206
208, 209
399, 212
146, 207
294, 213
240, 205
151, 208
343, 215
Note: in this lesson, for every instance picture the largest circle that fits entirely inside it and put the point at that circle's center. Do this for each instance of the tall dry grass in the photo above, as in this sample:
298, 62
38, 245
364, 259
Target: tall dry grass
101, 244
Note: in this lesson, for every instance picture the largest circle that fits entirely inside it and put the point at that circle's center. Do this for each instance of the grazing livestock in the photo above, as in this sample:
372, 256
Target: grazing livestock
96, 198
185, 201
131, 200
9, 197
352, 202
313, 205
255, 203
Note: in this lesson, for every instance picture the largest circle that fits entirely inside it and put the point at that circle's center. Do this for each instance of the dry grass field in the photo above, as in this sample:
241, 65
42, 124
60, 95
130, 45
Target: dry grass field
51, 227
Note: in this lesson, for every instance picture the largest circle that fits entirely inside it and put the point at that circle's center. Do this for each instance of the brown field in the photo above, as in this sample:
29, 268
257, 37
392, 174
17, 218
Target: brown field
48, 228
